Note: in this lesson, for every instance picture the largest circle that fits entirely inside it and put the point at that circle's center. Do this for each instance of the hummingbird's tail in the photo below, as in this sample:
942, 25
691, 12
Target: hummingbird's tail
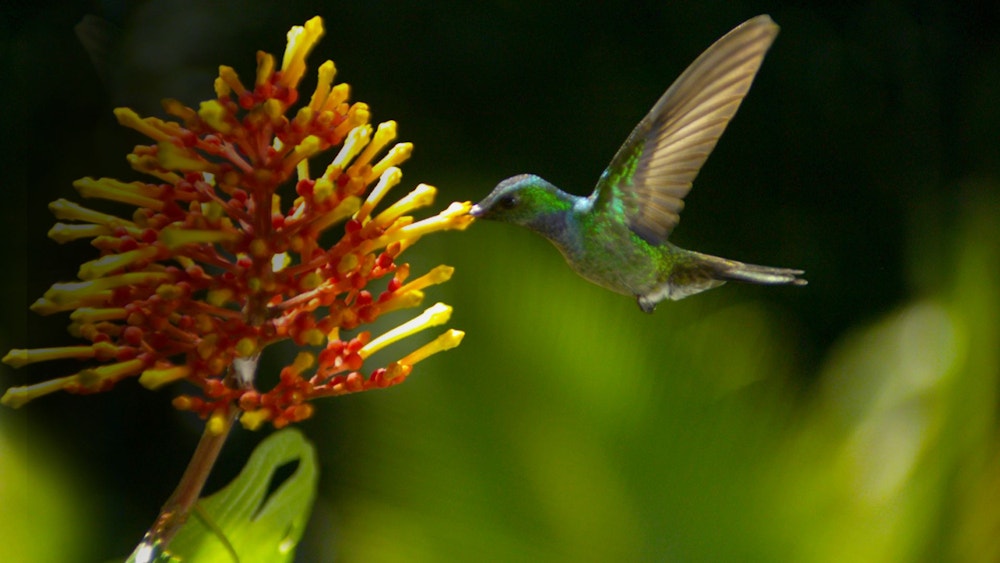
723, 269
695, 272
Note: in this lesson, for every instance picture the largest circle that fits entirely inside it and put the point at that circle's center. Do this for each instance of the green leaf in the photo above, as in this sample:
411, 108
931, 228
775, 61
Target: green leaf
241, 522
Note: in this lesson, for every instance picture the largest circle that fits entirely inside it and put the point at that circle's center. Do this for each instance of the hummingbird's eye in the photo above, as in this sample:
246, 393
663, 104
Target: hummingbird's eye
508, 201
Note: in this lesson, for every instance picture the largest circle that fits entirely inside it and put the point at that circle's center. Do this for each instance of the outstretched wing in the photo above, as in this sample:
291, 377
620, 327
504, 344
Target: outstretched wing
654, 168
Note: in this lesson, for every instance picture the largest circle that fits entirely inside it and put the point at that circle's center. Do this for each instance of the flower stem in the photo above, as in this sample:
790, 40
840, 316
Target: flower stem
178, 507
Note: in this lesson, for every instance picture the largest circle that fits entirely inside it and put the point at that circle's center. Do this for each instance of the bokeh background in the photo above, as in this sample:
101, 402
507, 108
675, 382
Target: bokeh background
854, 419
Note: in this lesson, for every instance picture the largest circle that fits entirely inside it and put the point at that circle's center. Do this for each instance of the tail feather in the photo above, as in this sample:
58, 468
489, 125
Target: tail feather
698, 272
731, 270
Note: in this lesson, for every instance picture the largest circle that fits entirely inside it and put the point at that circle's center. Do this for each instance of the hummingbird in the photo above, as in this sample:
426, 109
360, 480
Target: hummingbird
617, 237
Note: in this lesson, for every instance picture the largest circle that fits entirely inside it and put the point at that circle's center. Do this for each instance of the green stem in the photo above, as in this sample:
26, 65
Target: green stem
179, 506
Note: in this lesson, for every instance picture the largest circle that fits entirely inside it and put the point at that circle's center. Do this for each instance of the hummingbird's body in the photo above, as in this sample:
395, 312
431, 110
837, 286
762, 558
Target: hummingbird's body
617, 237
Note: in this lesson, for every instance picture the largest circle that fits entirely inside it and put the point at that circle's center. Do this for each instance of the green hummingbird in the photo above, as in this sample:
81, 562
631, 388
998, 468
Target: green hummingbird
617, 237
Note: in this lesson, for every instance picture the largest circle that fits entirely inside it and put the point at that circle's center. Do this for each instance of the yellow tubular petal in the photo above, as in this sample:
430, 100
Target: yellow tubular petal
386, 132
229, 76
265, 67
402, 300
63, 233
252, 420
338, 95
438, 275
156, 378
136, 193
435, 315
215, 115
74, 292
94, 315
421, 196
327, 71
446, 341
346, 208
357, 115
44, 306
70, 211
149, 127
173, 237
396, 156
301, 40
356, 140
307, 148
178, 109
20, 357
455, 217
389, 179
16, 397
172, 157
112, 262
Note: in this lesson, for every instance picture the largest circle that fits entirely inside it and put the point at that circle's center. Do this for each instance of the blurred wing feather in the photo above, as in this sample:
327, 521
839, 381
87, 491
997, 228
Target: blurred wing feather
655, 167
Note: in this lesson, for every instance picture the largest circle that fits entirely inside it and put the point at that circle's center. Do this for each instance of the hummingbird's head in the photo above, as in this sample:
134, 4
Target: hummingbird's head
525, 200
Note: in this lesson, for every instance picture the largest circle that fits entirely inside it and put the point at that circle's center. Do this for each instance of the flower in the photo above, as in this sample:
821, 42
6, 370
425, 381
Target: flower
211, 267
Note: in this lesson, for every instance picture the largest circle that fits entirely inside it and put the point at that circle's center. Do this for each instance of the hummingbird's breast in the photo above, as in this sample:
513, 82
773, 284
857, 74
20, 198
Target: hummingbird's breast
603, 250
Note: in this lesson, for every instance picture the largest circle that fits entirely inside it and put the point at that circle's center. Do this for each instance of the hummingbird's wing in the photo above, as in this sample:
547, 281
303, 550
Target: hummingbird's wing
654, 168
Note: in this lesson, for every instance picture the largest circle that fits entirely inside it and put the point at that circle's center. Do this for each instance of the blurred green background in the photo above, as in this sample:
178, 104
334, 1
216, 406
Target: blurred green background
854, 419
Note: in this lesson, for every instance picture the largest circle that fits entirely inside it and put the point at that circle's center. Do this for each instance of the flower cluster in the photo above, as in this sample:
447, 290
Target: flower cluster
211, 267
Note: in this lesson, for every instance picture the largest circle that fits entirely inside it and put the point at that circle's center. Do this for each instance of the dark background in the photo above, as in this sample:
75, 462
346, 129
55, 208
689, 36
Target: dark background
852, 417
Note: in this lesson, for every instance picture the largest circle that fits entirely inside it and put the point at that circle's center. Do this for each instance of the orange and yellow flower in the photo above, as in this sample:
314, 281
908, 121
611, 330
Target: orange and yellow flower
212, 267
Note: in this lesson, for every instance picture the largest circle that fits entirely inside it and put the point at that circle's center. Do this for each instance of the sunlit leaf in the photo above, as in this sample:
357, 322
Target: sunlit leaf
259, 520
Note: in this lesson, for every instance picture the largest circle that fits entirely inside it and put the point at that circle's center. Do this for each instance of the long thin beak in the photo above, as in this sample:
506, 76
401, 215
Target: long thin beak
477, 211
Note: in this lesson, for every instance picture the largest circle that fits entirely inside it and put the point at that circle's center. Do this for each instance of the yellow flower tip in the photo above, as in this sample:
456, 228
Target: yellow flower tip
253, 420
304, 361
94, 315
215, 115
327, 72
435, 315
219, 297
450, 339
43, 306
172, 157
114, 262
17, 357
314, 337
356, 140
265, 67
174, 237
390, 178
149, 127
156, 378
348, 263
309, 146
246, 347
301, 40
63, 233
398, 154
135, 193
357, 115
386, 132
404, 299
421, 196
178, 109
346, 208
228, 75
274, 110
338, 95
15, 397
216, 423
438, 275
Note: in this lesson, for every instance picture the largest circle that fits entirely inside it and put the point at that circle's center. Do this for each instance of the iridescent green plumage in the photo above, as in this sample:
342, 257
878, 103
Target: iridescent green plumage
617, 237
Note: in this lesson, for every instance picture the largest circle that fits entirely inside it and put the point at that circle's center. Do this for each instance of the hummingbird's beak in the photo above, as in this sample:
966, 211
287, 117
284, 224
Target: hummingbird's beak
477, 211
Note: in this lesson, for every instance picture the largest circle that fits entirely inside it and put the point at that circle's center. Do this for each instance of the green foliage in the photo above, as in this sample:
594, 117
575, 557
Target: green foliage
253, 519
